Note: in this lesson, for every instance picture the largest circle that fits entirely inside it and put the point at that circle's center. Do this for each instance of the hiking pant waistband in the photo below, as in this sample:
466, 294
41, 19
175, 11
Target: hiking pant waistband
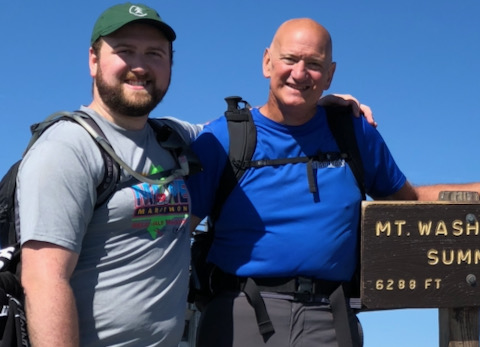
303, 289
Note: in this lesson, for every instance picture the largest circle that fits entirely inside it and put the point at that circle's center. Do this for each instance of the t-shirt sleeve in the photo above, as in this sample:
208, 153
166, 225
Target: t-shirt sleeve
56, 186
383, 177
211, 147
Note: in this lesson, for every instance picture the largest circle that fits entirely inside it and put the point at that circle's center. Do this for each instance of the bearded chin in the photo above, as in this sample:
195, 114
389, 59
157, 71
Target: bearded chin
137, 107
115, 99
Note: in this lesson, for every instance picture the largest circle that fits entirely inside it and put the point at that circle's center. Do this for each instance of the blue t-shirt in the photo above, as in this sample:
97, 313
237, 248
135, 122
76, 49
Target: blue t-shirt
272, 225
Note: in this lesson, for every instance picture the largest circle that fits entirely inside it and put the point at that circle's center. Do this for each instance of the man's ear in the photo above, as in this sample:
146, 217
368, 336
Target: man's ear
266, 64
331, 72
92, 62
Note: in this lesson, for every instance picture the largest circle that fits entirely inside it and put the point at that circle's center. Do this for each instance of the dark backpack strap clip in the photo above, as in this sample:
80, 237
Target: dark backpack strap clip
255, 299
172, 141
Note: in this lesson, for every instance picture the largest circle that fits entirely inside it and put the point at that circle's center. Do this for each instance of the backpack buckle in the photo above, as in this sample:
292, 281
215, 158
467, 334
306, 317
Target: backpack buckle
305, 289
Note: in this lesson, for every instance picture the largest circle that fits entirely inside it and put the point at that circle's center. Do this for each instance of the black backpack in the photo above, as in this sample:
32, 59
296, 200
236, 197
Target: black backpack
242, 147
13, 330
242, 137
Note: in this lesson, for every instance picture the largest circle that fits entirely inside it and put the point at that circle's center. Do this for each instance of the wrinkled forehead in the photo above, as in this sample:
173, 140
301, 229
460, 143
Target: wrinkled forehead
303, 42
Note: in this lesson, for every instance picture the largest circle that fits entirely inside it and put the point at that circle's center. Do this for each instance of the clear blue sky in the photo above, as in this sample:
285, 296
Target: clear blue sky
416, 63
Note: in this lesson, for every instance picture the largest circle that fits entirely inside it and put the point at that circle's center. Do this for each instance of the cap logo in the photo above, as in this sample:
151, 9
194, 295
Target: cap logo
137, 11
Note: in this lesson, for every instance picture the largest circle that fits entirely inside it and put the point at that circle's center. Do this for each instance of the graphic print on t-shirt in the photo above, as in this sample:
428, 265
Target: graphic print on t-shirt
158, 207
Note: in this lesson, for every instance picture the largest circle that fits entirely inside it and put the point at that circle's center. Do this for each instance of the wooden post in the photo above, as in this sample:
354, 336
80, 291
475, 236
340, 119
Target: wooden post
458, 327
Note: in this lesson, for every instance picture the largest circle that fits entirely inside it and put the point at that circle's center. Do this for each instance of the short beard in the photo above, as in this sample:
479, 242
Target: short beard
114, 98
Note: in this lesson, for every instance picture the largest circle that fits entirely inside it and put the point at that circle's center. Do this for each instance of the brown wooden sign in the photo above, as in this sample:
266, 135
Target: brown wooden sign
420, 255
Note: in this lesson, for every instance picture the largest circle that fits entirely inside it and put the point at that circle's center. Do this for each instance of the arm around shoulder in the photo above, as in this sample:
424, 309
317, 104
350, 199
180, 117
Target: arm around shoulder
431, 192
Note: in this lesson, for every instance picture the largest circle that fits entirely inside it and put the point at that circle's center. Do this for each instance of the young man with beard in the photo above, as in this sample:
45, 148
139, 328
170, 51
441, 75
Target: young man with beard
108, 275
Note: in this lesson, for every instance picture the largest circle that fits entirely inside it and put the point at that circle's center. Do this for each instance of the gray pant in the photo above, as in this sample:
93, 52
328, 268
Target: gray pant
229, 321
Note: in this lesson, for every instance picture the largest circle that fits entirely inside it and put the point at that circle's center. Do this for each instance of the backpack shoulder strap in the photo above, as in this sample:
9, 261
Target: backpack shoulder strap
243, 140
170, 139
340, 121
242, 134
112, 168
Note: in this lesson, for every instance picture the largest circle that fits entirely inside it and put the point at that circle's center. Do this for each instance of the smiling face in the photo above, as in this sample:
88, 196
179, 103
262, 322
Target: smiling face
299, 66
131, 71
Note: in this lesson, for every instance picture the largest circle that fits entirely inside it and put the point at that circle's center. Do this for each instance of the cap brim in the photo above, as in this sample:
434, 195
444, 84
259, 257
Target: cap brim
164, 28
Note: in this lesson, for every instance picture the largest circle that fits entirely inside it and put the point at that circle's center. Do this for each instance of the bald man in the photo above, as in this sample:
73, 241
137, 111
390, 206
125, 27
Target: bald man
285, 254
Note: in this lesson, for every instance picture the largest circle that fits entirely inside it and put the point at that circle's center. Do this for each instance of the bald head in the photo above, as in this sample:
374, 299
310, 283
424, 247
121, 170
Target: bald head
302, 31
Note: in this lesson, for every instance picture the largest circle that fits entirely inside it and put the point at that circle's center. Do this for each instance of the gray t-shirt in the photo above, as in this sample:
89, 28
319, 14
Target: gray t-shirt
131, 279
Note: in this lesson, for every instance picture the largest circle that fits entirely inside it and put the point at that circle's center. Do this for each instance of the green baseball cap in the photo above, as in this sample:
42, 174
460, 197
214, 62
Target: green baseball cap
117, 16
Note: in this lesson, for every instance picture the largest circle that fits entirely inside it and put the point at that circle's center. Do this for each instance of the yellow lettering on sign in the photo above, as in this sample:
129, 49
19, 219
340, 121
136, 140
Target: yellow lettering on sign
399, 224
441, 229
449, 257
457, 227
464, 257
386, 229
433, 283
471, 228
424, 228
382, 228
432, 256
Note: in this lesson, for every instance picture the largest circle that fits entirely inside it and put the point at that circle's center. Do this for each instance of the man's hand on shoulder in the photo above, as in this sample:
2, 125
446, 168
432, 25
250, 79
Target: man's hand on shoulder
348, 100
